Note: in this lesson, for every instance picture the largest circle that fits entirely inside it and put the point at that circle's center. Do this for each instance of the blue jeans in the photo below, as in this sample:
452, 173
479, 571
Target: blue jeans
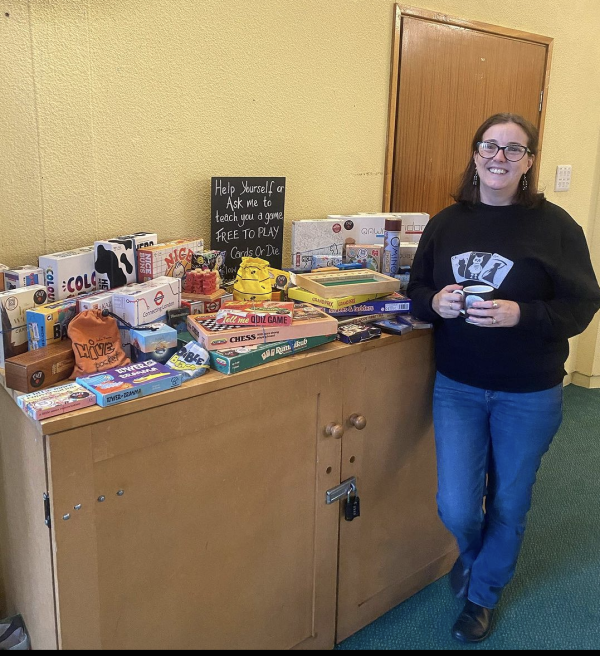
503, 435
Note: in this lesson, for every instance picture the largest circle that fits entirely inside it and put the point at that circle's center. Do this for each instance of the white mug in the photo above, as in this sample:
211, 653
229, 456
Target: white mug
475, 293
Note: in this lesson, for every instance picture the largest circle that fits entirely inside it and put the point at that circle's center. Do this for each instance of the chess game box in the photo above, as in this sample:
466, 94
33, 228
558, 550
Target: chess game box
308, 321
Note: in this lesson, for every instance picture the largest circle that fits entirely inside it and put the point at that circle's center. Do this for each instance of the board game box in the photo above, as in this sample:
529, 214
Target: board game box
55, 400
130, 382
337, 303
394, 304
256, 313
236, 359
308, 321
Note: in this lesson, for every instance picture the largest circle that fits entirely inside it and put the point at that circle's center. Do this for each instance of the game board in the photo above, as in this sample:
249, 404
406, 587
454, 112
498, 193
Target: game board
345, 283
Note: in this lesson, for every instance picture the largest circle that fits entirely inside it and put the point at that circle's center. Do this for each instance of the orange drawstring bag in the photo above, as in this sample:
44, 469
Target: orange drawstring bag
96, 343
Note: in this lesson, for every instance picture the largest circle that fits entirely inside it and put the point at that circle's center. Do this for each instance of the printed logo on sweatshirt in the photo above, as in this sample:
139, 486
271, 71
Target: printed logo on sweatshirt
489, 268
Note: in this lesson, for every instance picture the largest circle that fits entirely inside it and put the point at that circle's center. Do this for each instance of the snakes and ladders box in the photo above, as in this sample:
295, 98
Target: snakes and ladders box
236, 359
413, 223
48, 323
172, 259
329, 236
13, 314
114, 262
69, 273
56, 400
140, 240
131, 381
308, 321
393, 304
23, 276
147, 302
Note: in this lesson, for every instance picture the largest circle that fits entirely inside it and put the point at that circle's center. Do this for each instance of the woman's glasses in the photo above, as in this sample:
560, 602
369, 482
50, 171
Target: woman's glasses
512, 152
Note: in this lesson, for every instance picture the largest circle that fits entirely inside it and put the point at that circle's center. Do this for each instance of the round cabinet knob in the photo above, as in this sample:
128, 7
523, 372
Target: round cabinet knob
358, 421
335, 430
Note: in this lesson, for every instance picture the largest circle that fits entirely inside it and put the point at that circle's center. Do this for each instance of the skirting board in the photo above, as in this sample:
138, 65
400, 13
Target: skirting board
583, 380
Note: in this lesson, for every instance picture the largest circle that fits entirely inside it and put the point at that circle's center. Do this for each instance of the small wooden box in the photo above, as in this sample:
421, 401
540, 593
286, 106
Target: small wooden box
41, 368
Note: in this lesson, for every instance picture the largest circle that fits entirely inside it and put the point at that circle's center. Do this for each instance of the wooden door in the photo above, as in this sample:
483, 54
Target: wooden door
448, 76
398, 545
220, 538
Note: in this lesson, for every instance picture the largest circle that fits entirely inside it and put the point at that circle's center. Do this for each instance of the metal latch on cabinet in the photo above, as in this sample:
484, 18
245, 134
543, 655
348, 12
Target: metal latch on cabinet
346, 489
47, 520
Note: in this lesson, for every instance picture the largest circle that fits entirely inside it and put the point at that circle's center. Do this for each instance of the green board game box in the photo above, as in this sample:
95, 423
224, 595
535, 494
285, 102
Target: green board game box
234, 360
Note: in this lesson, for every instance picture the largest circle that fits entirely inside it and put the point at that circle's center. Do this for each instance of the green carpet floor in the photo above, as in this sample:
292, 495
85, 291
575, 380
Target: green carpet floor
553, 601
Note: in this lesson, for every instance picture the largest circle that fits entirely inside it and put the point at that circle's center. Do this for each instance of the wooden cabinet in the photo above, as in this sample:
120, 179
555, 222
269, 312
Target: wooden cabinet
196, 518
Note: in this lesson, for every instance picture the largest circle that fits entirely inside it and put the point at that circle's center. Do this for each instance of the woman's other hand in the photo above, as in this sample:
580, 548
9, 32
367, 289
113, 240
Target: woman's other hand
447, 304
495, 314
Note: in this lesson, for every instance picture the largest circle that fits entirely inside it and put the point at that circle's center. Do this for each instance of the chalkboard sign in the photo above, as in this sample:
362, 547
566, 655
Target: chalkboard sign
247, 220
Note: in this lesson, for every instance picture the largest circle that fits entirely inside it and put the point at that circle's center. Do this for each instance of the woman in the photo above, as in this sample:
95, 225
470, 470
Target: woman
498, 388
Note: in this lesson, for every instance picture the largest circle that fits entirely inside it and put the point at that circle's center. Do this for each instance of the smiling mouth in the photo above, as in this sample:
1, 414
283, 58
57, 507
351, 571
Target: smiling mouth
497, 171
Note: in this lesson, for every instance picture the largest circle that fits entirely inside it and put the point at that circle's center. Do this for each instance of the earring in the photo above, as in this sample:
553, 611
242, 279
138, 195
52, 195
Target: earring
475, 179
524, 182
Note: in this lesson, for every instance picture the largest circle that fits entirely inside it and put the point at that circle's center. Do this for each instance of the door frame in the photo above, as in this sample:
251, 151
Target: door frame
437, 17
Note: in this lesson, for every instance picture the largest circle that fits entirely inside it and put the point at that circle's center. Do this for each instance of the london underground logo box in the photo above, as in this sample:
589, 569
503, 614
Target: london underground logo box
69, 273
147, 302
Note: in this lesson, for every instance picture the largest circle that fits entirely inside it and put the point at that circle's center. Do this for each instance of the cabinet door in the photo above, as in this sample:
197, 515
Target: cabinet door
398, 545
213, 532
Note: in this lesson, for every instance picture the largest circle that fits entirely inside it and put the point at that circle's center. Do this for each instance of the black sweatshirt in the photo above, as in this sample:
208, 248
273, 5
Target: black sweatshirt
536, 257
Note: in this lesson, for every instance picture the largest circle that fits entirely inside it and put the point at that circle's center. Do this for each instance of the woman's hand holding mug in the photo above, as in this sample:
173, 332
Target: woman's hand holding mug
482, 310
446, 303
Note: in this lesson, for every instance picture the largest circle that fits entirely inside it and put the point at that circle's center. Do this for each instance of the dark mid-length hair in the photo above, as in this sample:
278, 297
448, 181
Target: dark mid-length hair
468, 193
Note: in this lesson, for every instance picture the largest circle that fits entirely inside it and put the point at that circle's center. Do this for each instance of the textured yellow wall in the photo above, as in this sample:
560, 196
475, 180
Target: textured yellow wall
116, 113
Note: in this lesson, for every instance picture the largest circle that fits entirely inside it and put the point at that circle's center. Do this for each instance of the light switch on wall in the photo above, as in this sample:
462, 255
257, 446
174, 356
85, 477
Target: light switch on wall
563, 177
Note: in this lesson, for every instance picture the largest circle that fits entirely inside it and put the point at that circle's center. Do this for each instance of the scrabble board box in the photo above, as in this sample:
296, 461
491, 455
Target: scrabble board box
309, 321
69, 273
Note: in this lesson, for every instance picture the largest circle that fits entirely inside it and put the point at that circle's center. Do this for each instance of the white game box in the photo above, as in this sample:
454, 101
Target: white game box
69, 273
147, 302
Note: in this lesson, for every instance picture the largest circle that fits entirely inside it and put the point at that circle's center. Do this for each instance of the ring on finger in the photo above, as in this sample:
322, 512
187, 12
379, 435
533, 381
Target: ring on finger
493, 320
495, 305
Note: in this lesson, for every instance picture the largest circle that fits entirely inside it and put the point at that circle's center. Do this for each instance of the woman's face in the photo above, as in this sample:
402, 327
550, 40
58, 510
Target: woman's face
499, 178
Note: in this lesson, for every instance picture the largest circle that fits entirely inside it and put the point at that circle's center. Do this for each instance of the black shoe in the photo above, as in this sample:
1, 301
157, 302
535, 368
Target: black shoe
459, 579
473, 624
